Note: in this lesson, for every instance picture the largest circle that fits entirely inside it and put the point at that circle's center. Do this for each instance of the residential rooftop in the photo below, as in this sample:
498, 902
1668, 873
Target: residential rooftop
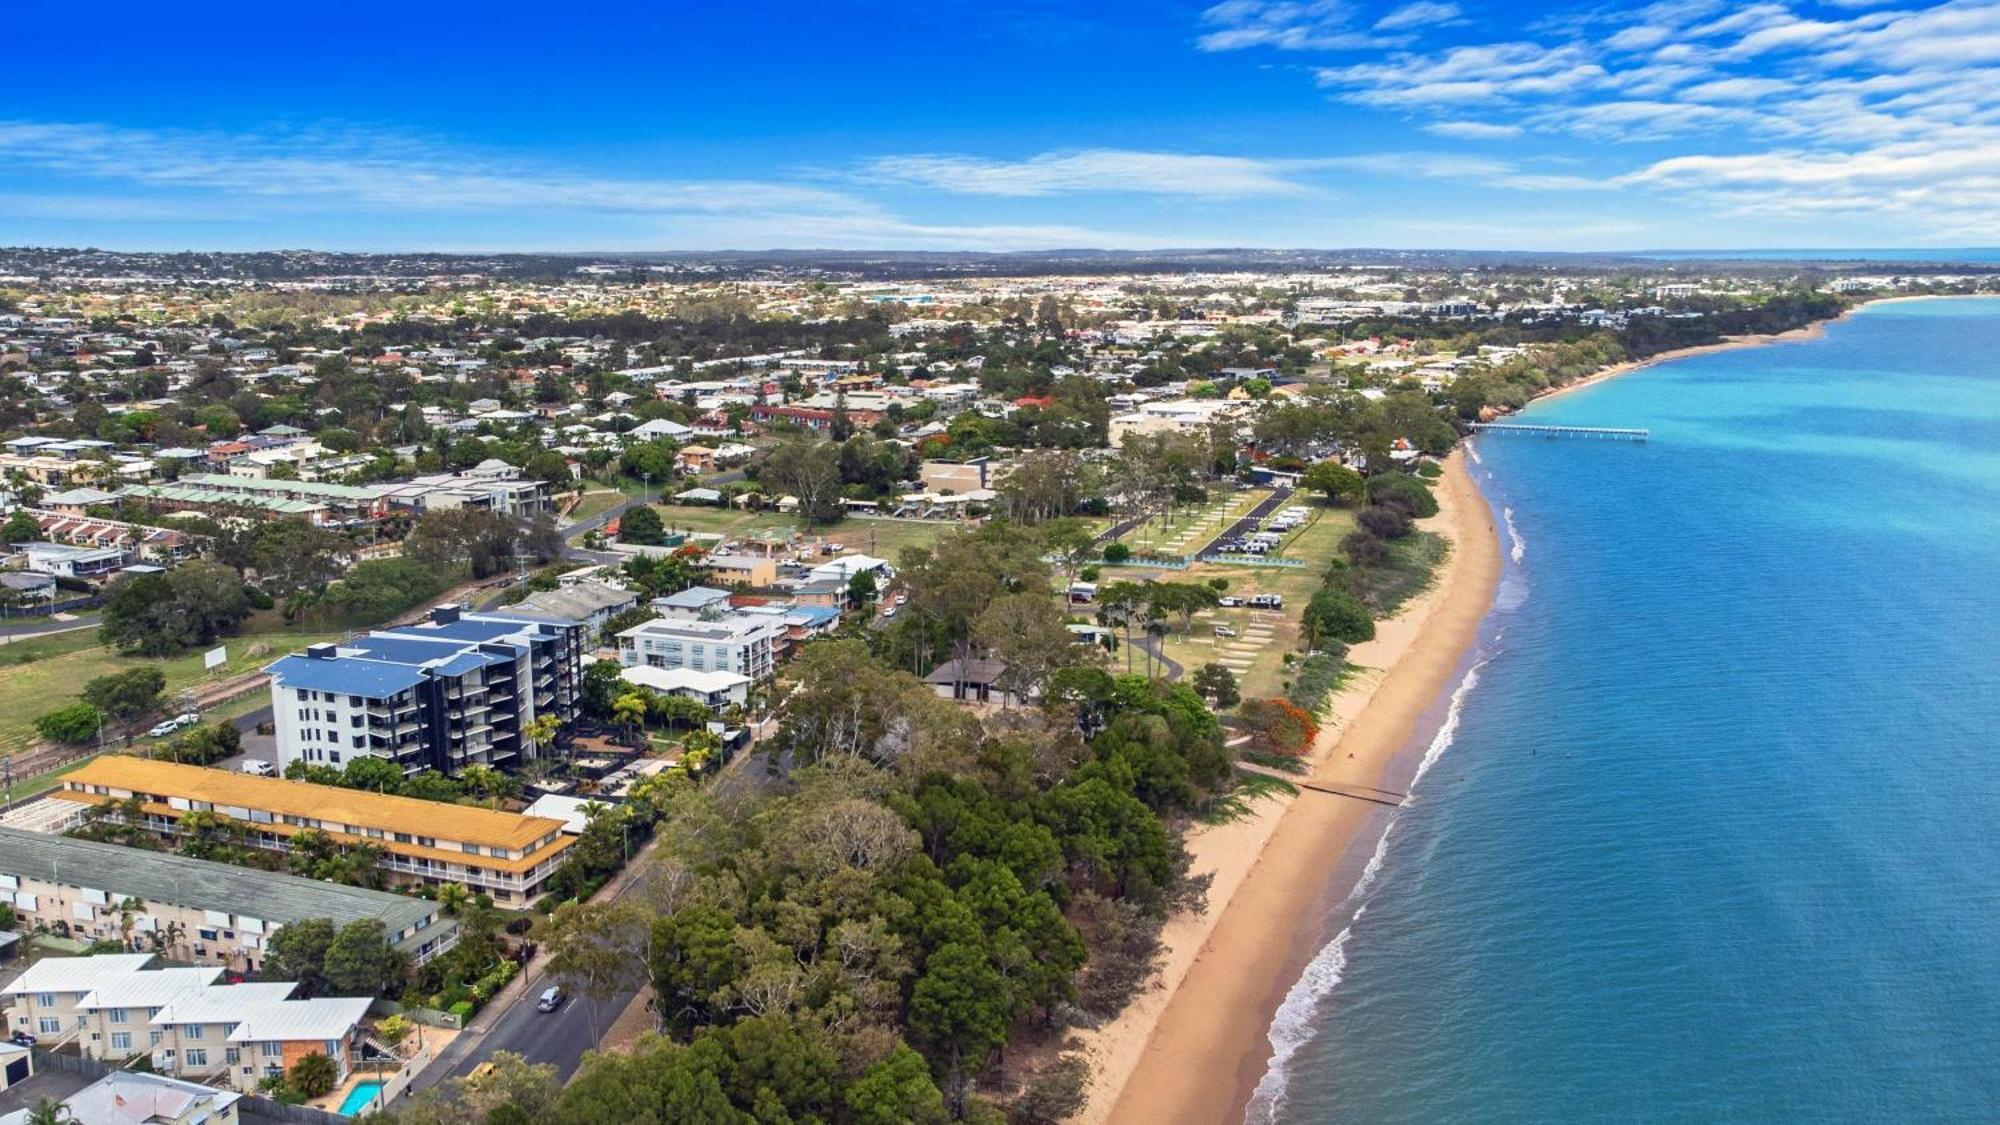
76, 974
162, 877
236, 791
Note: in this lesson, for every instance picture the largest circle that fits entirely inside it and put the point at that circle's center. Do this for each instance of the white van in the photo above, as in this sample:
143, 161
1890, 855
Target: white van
259, 768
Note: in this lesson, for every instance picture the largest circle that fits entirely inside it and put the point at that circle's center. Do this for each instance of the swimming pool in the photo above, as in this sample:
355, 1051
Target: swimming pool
360, 1098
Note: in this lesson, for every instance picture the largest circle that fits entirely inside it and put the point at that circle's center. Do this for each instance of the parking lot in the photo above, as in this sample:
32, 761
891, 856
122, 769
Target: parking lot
1250, 522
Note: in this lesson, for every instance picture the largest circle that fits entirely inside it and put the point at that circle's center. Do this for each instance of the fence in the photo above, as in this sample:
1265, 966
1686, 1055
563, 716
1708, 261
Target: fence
48, 609
397, 1084
1154, 562
429, 1017
1258, 560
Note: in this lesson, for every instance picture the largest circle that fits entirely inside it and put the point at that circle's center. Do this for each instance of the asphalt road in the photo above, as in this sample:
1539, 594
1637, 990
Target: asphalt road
596, 523
558, 1038
45, 627
1169, 667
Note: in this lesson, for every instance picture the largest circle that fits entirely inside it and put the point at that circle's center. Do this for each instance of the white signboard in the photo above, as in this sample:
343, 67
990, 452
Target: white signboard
215, 658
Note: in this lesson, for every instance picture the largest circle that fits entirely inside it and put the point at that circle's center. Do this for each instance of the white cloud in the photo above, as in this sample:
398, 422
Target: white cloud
148, 175
1290, 25
1883, 110
1420, 14
1094, 170
1735, 89
1473, 130
382, 170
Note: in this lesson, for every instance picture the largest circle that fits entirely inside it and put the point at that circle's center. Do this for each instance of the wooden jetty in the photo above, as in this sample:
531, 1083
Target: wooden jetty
1358, 792
1610, 433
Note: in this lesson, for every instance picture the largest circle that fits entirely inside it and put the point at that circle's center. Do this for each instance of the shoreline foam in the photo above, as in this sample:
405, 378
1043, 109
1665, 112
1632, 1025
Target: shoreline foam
1227, 968
1155, 1062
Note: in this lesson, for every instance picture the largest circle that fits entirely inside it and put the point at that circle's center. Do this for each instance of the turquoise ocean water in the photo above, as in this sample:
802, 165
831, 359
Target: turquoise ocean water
1714, 832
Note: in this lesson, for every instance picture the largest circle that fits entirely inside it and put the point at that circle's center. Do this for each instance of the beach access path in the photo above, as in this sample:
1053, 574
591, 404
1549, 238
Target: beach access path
1194, 1047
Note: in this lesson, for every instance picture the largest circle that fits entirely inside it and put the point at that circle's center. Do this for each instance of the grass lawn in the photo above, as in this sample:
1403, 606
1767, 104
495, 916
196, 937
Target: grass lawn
725, 521
62, 664
595, 501
885, 539
34, 786
1169, 536
1315, 543
879, 537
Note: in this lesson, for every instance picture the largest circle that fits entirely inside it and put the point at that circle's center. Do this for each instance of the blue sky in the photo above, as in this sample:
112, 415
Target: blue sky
1013, 124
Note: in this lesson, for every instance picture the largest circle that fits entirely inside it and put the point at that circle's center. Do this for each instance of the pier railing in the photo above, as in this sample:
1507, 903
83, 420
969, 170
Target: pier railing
1610, 433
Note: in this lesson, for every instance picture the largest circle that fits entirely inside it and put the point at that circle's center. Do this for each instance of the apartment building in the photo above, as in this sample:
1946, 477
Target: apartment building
64, 561
161, 545
458, 689
340, 503
47, 999
747, 646
424, 843
192, 909
492, 485
715, 690
753, 571
590, 604
112, 1021
229, 1034
114, 1008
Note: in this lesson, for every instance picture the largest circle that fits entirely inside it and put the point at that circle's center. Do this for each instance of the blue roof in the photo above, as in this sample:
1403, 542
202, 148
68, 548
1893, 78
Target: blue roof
401, 648
466, 630
347, 675
817, 614
465, 662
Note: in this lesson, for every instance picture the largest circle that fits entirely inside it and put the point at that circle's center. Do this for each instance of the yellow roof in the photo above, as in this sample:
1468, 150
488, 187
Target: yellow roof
460, 823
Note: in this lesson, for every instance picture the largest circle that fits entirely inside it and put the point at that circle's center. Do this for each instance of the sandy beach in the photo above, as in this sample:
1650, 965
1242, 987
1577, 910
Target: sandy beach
1193, 1047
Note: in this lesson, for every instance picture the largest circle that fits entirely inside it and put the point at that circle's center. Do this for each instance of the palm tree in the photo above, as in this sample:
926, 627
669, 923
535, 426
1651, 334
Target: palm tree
453, 897
48, 1111
127, 910
629, 711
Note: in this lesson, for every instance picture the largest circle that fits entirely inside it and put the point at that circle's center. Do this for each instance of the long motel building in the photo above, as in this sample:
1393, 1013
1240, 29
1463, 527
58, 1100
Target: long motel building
192, 909
424, 843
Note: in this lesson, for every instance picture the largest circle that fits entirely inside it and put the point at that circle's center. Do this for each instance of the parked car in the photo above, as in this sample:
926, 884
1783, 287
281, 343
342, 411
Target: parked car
22, 1039
888, 613
1267, 601
259, 767
552, 998
1224, 631
1229, 600
169, 726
